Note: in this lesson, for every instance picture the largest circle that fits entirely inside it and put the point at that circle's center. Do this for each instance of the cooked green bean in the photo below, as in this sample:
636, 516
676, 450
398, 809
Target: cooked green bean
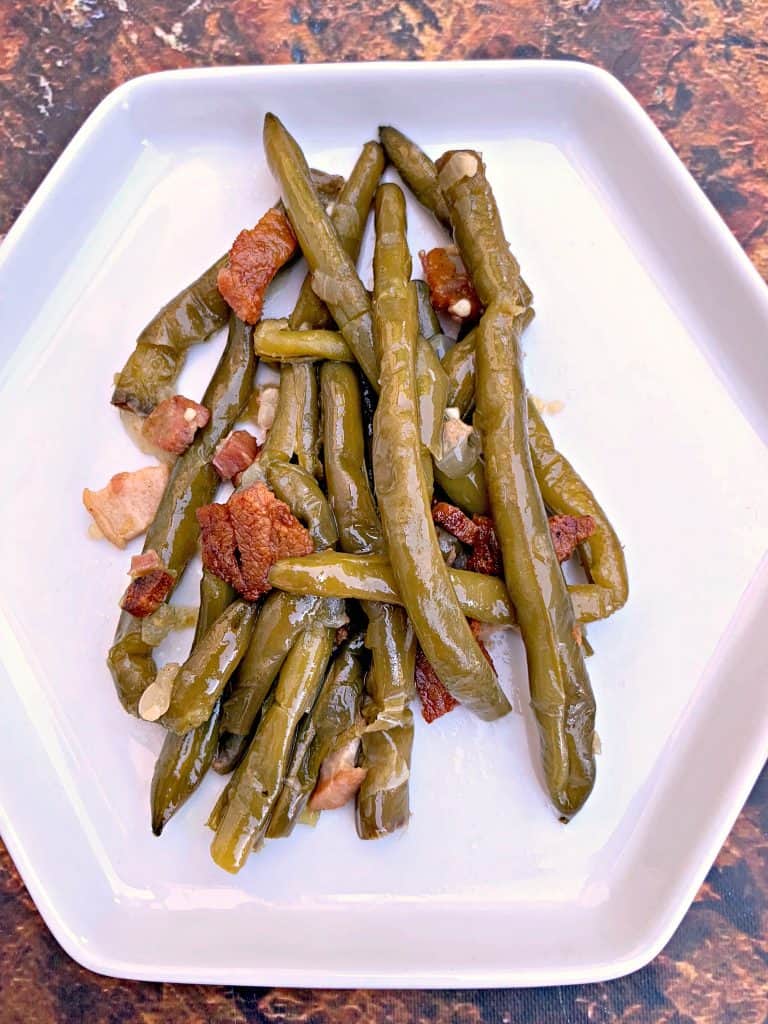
429, 325
404, 506
173, 533
161, 349
333, 721
256, 784
468, 492
281, 439
308, 426
349, 494
229, 752
565, 493
281, 618
334, 278
432, 391
303, 496
459, 365
201, 679
417, 171
273, 339
561, 694
184, 760
370, 578
348, 216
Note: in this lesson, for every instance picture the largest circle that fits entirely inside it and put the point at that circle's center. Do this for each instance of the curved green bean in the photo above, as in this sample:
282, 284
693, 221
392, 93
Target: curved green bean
561, 694
174, 531
334, 277
404, 504
281, 618
255, 786
201, 679
161, 348
302, 494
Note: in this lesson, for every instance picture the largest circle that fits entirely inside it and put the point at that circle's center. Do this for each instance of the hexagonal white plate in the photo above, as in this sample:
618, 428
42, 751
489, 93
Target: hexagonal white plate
651, 327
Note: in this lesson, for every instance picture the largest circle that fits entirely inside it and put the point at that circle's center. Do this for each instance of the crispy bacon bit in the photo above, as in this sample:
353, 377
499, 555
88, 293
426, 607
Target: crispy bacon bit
144, 564
243, 539
255, 257
455, 522
436, 701
450, 289
568, 532
173, 423
147, 592
486, 553
477, 632
338, 780
235, 454
127, 505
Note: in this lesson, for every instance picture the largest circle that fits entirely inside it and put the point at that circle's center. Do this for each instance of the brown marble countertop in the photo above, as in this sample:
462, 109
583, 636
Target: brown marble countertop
700, 68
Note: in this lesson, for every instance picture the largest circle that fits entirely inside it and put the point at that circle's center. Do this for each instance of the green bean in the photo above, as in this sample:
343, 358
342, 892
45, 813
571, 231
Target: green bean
348, 217
281, 619
184, 760
334, 278
561, 694
308, 426
229, 752
344, 452
382, 803
404, 506
303, 496
273, 339
256, 784
429, 325
281, 439
161, 349
432, 391
370, 578
417, 171
468, 492
459, 365
333, 722
173, 533
565, 493
201, 679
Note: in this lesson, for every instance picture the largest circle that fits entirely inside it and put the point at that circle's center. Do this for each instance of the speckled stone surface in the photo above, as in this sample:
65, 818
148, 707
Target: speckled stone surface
700, 68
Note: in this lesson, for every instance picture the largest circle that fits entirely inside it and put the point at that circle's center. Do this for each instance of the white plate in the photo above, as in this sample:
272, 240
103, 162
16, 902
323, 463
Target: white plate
651, 327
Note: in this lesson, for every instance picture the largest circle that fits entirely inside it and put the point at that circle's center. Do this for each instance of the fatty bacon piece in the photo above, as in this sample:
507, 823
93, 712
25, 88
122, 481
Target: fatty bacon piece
127, 505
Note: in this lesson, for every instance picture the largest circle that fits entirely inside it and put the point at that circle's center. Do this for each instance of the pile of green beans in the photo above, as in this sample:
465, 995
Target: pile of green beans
321, 670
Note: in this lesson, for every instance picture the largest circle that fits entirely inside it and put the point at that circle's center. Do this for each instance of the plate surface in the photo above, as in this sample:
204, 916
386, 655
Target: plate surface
651, 328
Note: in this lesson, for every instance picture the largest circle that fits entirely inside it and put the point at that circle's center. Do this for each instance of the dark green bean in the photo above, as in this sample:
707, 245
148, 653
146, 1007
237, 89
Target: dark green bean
303, 496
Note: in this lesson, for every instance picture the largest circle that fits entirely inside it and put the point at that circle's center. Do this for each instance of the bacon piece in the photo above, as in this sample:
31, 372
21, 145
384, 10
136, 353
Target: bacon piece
127, 505
486, 553
436, 701
235, 454
255, 257
338, 780
145, 563
173, 423
243, 539
455, 522
450, 288
147, 592
568, 532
